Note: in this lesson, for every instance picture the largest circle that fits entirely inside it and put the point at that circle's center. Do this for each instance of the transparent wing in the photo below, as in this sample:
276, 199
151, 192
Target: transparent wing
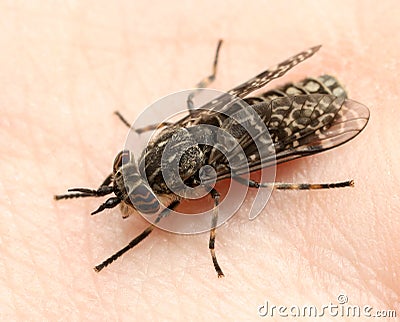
265, 77
300, 126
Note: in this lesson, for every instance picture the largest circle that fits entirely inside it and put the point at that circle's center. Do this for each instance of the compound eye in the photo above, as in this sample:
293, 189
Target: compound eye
144, 200
122, 158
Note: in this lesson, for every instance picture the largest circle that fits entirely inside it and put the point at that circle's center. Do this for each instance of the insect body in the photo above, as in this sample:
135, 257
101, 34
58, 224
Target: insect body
302, 119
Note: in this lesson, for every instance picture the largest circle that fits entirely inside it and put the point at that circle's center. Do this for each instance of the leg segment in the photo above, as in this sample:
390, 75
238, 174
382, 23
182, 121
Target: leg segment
205, 81
202, 84
294, 186
118, 254
211, 245
310, 186
152, 127
143, 129
136, 240
123, 119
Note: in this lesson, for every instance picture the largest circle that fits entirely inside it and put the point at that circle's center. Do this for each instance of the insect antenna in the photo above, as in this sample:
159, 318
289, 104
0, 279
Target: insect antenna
85, 192
103, 190
72, 195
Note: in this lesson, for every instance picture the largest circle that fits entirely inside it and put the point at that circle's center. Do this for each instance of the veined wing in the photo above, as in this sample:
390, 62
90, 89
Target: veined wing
299, 126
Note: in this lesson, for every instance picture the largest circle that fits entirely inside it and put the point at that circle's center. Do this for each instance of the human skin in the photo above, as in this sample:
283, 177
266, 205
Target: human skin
67, 66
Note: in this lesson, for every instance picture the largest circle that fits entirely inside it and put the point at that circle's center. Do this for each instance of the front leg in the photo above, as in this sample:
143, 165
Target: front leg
137, 239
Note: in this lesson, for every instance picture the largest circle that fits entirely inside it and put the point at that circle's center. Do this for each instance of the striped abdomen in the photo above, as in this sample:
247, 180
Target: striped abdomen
324, 84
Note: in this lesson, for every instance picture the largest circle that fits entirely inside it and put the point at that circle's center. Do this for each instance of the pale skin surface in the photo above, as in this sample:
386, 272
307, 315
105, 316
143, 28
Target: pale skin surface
66, 67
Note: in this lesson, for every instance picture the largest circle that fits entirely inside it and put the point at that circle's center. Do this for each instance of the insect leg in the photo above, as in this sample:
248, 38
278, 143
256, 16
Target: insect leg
134, 241
143, 129
205, 81
215, 195
310, 186
294, 186
118, 254
123, 119
107, 181
153, 127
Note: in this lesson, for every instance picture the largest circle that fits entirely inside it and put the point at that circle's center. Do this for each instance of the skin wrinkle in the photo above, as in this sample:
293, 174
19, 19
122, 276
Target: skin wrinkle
335, 225
335, 272
127, 52
37, 268
103, 84
309, 259
7, 277
81, 143
343, 256
389, 284
27, 249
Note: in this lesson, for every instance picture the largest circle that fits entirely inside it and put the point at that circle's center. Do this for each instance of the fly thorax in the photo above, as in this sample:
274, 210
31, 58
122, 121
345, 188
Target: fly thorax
182, 157
186, 151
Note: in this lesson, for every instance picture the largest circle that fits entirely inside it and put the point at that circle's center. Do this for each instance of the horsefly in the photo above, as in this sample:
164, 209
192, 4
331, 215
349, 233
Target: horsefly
253, 132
